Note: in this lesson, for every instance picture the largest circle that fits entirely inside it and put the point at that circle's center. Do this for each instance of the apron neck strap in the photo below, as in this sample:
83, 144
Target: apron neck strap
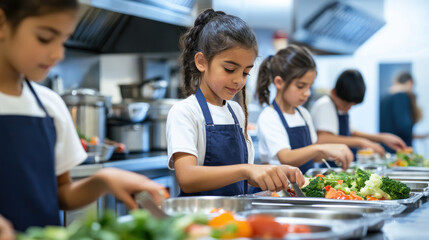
37, 97
205, 108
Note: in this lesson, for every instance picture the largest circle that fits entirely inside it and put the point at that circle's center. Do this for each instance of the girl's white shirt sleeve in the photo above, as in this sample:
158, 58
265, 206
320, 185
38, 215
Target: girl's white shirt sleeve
325, 116
186, 128
273, 136
68, 149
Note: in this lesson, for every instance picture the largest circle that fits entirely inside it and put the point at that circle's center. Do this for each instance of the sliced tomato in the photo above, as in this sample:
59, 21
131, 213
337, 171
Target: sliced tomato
265, 226
328, 187
298, 229
320, 175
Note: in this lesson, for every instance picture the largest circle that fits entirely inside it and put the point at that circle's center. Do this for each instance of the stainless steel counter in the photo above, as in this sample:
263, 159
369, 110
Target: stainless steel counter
134, 162
413, 223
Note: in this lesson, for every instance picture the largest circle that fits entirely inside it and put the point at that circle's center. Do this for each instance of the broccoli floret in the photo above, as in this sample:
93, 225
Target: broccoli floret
396, 189
315, 188
360, 178
372, 188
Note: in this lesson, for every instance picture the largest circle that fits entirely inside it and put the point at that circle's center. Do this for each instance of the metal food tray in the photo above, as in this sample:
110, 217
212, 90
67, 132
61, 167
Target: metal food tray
416, 186
405, 173
408, 178
205, 204
341, 224
417, 169
314, 171
266, 196
375, 216
412, 199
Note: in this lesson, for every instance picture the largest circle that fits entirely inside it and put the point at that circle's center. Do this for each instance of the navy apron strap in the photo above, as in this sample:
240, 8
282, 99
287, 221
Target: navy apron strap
37, 98
233, 114
279, 111
204, 107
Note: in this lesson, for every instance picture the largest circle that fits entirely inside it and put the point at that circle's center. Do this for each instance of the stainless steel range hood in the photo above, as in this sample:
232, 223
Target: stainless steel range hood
326, 26
131, 26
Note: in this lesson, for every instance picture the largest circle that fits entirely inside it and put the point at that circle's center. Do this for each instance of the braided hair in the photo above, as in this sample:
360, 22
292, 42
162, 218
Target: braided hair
212, 33
289, 63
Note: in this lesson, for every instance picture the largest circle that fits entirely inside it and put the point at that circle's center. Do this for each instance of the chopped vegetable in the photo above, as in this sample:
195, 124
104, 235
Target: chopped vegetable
397, 190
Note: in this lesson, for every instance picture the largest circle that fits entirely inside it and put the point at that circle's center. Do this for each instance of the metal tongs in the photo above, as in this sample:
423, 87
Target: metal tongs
144, 200
329, 170
296, 189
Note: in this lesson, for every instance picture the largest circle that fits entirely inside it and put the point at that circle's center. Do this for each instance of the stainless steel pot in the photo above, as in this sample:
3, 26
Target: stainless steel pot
131, 112
135, 136
158, 113
149, 89
88, 109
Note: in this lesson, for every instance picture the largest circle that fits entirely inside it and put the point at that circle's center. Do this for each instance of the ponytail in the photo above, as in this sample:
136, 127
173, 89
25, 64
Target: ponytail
264, 81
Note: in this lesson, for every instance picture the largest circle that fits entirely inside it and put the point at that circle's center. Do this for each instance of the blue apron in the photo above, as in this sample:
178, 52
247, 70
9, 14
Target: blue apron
298, 137
344, 130
225, 145
28, 183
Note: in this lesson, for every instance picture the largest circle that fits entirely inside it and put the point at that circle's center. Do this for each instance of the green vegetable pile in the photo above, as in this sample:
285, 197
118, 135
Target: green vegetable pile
140, 226
363, 183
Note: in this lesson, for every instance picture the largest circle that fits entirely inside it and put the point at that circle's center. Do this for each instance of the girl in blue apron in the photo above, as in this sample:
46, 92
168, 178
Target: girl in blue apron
285, 129
38, 143
208, 145
331, 117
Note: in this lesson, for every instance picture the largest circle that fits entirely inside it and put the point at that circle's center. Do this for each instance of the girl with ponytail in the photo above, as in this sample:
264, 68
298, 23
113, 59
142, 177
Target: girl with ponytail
208, 145
285, 129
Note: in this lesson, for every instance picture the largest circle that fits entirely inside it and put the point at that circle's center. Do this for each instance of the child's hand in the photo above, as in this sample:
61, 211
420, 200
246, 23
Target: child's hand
124, 183
373, 145
392, 141
338, 153
6, 229
273, 178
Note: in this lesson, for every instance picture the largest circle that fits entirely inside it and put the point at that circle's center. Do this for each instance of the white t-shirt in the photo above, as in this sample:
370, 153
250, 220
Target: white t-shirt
68, 150
325, 118
273, 136
186, 128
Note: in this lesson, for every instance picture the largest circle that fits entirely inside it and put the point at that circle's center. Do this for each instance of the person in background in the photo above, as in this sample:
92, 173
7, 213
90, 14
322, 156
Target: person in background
208, 145
331, 118
38, 141
285, 129
399, 111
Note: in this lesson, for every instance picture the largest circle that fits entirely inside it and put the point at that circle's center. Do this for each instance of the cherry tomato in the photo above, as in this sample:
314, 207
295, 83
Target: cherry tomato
84, 144
120, 147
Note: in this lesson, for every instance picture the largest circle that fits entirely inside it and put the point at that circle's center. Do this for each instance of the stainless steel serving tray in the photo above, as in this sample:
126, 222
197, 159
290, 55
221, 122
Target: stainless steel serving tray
376, 215
340, 223
205, 204
405, 173
416, 169
266, 196
409, 178
416, 186
312, 172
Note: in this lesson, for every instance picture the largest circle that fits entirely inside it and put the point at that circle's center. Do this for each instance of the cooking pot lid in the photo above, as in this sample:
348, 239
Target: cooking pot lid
83, 96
